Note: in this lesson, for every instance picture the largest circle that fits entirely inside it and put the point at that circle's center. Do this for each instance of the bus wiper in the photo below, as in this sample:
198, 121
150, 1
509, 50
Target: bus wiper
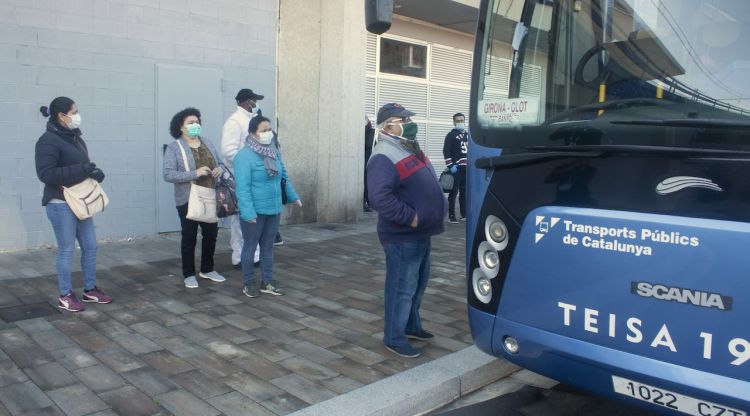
538, 154
620, 149
608, 105
521, 159
688, 122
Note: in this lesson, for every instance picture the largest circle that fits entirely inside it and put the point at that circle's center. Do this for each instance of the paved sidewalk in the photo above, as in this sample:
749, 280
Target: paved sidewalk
163, 349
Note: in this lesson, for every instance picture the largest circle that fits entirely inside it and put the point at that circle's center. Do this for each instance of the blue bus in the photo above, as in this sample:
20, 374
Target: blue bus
609, 209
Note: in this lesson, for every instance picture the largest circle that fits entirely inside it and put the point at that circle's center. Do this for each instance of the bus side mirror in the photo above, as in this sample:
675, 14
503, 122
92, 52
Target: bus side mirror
378, 15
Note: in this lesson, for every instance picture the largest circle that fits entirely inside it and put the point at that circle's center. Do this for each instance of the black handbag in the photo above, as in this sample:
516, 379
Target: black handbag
226, 195
446, 180
284, 198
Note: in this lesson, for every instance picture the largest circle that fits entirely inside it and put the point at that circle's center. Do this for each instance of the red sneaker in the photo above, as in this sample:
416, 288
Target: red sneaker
70, 302
95, 295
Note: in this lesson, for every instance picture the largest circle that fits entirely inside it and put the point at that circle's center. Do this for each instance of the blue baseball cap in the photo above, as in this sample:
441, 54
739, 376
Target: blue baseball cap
392, 110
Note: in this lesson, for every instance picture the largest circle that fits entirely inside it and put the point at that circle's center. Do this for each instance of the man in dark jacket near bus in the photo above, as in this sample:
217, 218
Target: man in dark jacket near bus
403, 188
454, 151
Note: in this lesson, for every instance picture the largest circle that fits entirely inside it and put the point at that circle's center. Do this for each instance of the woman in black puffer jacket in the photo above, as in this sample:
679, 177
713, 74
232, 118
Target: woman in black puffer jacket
62, 159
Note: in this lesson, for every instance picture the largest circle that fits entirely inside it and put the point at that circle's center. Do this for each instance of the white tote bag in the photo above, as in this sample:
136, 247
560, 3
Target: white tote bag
202, 202
86, 198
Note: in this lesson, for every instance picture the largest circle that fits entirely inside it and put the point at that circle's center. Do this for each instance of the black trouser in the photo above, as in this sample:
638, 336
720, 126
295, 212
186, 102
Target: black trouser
459, 187
209, 232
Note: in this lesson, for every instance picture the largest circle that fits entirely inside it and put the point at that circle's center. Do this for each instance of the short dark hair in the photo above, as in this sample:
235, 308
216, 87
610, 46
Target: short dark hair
175, 126
458, 115
255, 122
57, 106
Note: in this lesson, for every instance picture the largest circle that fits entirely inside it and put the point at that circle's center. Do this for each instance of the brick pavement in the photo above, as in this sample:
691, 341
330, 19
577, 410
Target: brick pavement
163, 349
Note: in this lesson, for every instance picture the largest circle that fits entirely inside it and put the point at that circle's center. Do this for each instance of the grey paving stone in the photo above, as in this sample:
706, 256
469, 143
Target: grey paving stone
284, 404
10, 373
30, 356
200, 384
166, 362
77, 400
308, 369
100, 378
3, 356
53, 339
180, 346
31, 326
93, 341
252, 387
226, 350
23, 397
130, 401
182, 403
137, 344
313, 352
267, 350
72, 325
260, 367
202, 320
341, 384
47, 411
175, 306
150, 381
233, 335
303, 388
50, 376
112, 328
192, 332
236, 404
242, 322
317, 338
213, 365
358, 354
152, 330
119, 360
74, 358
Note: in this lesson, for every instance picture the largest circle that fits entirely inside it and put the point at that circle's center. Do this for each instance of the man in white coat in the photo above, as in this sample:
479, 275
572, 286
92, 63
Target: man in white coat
232, 141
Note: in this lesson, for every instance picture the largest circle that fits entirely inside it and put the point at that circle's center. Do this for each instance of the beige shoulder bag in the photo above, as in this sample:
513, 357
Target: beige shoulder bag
202, 202
86, 198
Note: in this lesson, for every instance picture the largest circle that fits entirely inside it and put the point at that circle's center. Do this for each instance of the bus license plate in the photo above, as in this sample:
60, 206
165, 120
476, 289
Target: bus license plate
671, 400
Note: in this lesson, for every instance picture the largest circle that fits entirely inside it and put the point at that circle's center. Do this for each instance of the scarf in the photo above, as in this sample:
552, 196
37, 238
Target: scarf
411, 146
73, 136
269, 153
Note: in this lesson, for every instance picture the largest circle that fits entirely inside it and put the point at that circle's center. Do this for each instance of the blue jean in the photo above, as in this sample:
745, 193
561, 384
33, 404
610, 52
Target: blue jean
68, 228
263, 233
407, 270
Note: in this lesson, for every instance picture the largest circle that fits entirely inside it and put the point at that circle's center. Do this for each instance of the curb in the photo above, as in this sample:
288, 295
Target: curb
420, 389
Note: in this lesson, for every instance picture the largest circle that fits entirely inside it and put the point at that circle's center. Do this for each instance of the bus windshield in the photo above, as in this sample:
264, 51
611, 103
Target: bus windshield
613, 72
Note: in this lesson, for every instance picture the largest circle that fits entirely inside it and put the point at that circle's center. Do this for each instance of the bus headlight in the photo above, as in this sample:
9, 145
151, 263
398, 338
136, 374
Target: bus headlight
510, 344
496, 232
482, 286
488, 259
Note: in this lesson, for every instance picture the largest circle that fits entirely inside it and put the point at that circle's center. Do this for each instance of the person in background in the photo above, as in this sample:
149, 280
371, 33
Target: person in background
202, 159
62, 159
233, 137
411, 205
454, 151
259, 169
369, 137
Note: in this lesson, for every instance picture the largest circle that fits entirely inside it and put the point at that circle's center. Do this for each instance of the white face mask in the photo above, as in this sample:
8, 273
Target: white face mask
265, 137
75, 121
461, 126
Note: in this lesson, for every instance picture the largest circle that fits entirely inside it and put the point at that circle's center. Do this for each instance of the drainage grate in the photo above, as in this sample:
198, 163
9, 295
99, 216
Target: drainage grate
27, 311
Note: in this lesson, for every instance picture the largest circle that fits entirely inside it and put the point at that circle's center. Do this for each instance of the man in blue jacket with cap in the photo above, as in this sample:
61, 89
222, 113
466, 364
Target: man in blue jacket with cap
403, 188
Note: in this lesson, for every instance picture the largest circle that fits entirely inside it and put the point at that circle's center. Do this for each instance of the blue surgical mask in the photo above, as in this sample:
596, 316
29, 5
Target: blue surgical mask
193, 130
461, 126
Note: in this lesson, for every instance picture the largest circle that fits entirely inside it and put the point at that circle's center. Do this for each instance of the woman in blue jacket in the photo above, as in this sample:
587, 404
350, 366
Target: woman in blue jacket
258, 171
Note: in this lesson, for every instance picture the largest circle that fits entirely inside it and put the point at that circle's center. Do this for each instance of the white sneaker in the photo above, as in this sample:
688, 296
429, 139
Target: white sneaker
212, 276
191, 282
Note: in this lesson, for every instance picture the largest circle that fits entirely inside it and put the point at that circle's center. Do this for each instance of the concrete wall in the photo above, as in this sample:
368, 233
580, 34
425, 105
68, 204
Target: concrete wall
321, 55
103, 53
